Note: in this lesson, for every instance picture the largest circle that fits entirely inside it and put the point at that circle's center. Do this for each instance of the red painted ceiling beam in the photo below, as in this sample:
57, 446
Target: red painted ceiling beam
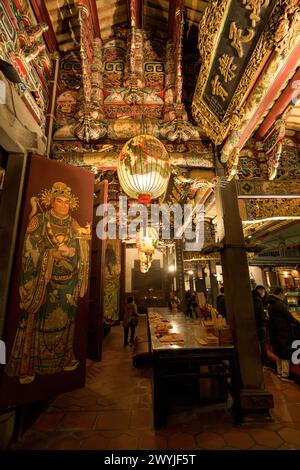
42, 16
280, 106
292, 64
173, 5
95, 18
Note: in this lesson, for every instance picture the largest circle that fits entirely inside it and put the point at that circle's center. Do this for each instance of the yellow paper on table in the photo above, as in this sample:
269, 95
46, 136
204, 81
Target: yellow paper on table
212, 339
172, 338
202, 341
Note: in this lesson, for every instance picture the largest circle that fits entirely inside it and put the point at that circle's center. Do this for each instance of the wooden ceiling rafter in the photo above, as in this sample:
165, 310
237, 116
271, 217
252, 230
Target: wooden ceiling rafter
95, 18
171, 20
106, 15
135, 13
42, 16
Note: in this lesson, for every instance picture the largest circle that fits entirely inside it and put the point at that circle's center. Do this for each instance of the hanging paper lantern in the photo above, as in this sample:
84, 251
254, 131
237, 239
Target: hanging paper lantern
144, 168
146, 244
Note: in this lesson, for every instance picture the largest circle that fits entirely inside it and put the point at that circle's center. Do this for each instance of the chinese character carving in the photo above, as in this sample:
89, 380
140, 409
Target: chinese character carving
227, 67
237, 37
255, 6
218, 89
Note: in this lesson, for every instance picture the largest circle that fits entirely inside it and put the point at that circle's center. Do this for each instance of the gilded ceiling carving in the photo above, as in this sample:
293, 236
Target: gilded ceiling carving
271, 208
22, 45
137, 89
225, 77
268, 188
256, 166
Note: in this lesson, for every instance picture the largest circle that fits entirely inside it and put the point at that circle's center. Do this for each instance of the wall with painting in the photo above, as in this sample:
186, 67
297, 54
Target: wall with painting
112, 281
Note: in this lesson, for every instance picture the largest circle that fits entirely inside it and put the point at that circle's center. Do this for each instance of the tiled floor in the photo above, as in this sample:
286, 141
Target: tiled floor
114, 411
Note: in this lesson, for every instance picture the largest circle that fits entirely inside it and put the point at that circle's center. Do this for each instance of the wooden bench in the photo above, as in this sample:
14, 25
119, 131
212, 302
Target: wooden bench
142, 356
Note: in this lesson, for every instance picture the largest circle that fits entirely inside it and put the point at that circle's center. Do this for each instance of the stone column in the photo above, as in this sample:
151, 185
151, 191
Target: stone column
239, 304
122, 281
213, 282
200, 280
180, 273
273, 278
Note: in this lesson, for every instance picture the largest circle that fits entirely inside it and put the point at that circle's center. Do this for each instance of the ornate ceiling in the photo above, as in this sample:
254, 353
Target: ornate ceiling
154, 16
125, 110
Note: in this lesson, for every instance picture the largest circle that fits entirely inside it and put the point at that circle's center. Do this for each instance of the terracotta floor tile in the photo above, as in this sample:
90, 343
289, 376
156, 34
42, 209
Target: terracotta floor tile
220, 429
192, 427
110, 434
181, 440
177, 419
81, 435
114, 411
105, 402
286, 446
123, 442
239, 440
152, 442
113, 420
35, 442
295, 412
229, 448
144, 383
65, 443
65, 402
290, 435
48, 422
89, 402
96, 442
79, 420
124, 403
145, 399
210, 441
258, 447
273, 426
141, 419
168, 430
267, 438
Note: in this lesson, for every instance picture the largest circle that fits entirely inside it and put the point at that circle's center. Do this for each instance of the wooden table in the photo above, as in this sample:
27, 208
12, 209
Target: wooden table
183, 360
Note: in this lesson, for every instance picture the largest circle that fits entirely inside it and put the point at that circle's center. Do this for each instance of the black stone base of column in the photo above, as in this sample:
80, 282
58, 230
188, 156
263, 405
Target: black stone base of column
256, 406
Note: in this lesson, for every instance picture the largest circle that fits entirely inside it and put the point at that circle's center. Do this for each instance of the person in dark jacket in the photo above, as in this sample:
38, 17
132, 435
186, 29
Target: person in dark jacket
280, 330
188, 302
258, 302
221, 307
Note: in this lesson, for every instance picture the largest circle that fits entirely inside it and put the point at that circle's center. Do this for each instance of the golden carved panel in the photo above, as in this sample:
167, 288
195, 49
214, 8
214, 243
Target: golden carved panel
277, 32
272, 208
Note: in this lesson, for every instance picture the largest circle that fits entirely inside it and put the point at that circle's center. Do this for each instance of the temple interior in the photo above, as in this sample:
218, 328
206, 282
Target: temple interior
149, 225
